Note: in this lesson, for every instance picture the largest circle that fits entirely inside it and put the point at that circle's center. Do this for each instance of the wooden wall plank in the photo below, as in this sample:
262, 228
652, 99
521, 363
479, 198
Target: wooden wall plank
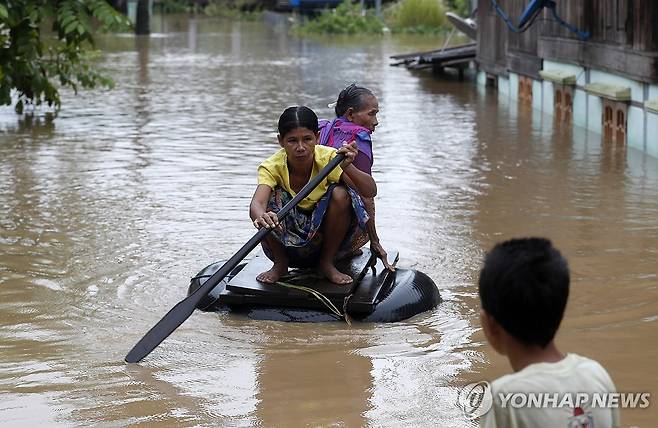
642, 66
623, 37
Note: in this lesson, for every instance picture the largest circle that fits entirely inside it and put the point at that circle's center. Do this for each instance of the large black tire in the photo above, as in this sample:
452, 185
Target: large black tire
408, 293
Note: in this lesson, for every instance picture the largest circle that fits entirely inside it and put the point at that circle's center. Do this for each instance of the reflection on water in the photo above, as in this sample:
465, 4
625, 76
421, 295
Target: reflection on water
312, 376
109, 209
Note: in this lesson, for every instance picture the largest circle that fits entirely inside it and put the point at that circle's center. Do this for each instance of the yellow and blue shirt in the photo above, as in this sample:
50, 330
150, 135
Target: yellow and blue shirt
273, 172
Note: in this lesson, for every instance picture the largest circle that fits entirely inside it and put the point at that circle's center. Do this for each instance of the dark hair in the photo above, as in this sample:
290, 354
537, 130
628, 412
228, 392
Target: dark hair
297, 117
352, 96
524, 286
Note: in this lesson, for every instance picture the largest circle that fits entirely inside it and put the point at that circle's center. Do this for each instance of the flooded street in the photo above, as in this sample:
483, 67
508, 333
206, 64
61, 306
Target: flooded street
107, 211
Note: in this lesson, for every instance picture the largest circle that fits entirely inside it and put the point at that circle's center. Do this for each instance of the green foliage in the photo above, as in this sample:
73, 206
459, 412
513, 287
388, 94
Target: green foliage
246, 10
344, 19
37, 65
174, 6
460, 7
417, 16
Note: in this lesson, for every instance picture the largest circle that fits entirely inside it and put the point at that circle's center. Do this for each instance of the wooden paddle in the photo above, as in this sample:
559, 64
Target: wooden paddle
182, 311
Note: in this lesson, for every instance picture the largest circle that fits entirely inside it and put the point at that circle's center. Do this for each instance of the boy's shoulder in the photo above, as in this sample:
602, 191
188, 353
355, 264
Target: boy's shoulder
546, 394
563, 375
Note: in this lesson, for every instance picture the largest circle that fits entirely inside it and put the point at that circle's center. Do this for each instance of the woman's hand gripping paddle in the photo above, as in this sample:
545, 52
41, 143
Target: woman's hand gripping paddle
182, 311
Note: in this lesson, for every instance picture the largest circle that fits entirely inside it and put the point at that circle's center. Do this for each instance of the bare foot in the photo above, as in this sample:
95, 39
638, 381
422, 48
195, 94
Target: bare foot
334, 275
271, 276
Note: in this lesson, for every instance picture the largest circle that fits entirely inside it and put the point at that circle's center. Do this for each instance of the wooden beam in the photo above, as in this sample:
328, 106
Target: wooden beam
638, 65
467, 46
521, 63
492, 68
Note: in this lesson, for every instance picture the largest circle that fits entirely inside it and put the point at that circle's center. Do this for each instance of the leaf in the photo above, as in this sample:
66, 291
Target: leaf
34, 15
71, 26
32, 67
63, 14
67, 20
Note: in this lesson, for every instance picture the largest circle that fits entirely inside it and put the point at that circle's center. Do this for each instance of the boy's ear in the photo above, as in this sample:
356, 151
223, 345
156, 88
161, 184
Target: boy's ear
484, 322
278, 136
349, 113
491, 329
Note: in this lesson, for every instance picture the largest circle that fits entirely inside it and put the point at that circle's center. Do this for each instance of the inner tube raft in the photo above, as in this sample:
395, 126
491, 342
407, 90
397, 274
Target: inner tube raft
376, 295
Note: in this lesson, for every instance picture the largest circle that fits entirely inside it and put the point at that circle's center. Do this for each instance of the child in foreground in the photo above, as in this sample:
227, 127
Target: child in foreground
523, 288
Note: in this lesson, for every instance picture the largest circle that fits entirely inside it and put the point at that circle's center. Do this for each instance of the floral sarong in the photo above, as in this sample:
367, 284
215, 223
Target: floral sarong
301, 234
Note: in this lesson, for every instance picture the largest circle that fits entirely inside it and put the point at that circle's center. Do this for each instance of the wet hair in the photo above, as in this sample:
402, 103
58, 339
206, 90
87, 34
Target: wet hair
352, 96
524, 286
297, 117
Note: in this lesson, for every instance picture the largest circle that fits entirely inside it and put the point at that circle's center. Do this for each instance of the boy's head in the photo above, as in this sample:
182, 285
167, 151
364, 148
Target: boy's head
524, 286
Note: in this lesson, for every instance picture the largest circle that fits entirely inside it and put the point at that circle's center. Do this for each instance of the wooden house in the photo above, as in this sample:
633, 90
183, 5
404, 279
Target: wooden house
607, 83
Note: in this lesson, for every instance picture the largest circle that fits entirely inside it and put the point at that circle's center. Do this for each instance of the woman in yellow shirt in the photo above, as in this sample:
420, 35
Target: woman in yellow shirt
324, 223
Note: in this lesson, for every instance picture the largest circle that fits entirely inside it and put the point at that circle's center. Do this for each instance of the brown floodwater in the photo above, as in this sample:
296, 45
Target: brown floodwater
107, 211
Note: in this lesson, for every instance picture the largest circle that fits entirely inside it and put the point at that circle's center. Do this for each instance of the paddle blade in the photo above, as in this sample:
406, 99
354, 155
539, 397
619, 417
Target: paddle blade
182, 311
170, 322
